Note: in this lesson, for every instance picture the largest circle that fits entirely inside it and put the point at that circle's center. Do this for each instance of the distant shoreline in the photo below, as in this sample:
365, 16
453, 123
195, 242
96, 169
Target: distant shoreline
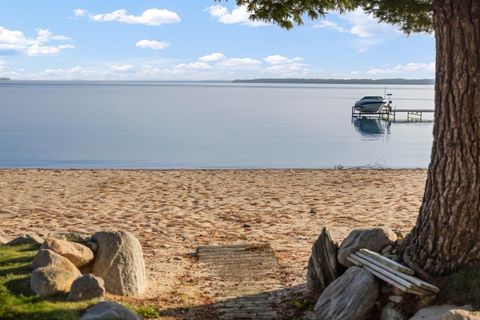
398, 81
393, 81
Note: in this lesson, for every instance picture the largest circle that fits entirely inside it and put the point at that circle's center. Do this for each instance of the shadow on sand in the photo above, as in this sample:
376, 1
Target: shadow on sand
283, 304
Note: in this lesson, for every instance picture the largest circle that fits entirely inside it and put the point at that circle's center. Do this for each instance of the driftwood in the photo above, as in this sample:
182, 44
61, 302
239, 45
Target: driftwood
418, 282
389, 271
387, 262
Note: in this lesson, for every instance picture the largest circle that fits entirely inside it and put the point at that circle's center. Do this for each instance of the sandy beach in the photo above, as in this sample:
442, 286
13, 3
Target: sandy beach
174, 211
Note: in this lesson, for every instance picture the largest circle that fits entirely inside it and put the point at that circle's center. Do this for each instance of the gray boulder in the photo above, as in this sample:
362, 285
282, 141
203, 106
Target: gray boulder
71, 236
86, 287
323, 267
30, 239
437, 312
50, 280
369, 238
459, 314
77, 253
390, 313
350, 297
119, 262
109, 311
49, 258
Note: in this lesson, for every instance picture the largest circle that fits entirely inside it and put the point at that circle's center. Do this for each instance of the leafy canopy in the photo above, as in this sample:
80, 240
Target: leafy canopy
409, 15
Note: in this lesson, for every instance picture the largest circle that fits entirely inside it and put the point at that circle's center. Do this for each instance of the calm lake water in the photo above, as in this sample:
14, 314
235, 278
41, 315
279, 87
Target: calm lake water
205, 125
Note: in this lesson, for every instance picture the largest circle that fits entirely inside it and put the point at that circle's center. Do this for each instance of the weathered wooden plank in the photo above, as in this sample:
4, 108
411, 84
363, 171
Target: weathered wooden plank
413, 290
416, 281
379, 275
390, 278
242, 274
382, 271
387, 262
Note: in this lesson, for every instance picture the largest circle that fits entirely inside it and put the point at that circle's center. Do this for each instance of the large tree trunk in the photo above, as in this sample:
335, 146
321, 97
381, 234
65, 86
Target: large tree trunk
447, 234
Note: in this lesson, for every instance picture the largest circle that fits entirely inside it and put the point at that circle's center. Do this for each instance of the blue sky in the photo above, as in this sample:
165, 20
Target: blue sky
196, 40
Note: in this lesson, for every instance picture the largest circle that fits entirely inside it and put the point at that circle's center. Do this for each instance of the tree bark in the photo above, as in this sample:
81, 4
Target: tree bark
447, 234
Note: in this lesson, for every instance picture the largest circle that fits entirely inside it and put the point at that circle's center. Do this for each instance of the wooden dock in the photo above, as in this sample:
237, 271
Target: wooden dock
389, 113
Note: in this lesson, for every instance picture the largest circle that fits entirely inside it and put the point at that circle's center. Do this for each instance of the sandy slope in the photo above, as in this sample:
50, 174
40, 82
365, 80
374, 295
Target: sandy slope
174, 211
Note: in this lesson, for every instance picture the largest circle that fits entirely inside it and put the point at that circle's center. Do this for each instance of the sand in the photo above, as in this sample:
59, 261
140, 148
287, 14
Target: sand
174, 211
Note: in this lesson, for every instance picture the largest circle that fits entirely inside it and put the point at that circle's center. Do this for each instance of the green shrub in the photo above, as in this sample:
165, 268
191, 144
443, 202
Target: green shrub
148, 311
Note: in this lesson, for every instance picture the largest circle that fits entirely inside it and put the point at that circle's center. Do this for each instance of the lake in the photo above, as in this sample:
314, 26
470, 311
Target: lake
205, 125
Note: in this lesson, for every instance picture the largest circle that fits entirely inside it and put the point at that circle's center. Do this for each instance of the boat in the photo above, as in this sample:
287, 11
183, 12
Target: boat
371, 104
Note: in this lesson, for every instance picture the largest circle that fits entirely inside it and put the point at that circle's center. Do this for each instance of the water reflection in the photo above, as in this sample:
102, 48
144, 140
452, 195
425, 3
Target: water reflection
372, 128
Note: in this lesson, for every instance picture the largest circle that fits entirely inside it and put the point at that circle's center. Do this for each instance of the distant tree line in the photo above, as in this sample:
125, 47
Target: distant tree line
342, 81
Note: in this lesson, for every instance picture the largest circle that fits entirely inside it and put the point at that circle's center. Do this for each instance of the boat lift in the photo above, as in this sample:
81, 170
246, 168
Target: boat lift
389, 113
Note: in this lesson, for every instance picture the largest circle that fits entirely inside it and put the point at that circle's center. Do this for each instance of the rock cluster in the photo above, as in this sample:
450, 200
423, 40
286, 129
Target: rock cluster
357, 294
56, 266
114, 261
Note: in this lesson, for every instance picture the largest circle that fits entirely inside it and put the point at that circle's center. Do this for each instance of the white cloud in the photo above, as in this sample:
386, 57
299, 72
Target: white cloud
44, 35
188, 68
406, 69
239, 63
225, 68
152, 44
122, 68
96, 72
193, 66
216, 56
6, 72
284, 67
42, 50
76, 72
365, 27
327, 24
276, 59
360, 24
239, 15
151, 17
15, 41
80, 12
221, 67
